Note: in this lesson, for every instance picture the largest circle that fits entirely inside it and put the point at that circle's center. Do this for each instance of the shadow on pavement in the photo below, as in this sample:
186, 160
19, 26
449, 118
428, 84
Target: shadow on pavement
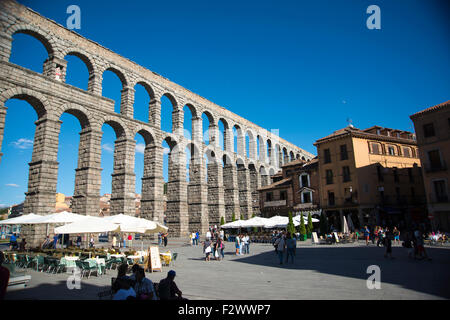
431, 277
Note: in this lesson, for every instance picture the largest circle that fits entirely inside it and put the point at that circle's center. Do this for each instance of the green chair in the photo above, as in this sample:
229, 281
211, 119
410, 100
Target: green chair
39, 262
88, 268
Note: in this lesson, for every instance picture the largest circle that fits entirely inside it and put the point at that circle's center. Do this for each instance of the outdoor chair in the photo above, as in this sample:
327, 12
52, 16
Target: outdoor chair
174, 257
59, 267
79, 265
39, 262
88, 268
20, 260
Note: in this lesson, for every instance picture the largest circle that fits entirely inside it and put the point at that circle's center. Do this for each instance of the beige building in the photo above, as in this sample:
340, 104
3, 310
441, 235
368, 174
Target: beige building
372, 176
432, 127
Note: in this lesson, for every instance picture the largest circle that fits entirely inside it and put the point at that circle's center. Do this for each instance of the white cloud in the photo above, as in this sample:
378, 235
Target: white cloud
108, 147
23, 143
12, 185
140, 147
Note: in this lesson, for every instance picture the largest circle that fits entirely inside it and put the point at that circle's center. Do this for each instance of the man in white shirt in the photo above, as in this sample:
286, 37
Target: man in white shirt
246, 241
208, 235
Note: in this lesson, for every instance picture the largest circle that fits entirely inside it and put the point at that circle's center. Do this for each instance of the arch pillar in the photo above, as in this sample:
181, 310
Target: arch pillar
152, 202
197, 130
216, 201
252, 148
42, 177
127, 101
231, 192
198, 196
86, 196
155, 113
245, 196
241, 144
213, 133
228, 140
255, 183
177, 121
55, 68
123, 178
95, 83
5, 47
177, 206
2, 127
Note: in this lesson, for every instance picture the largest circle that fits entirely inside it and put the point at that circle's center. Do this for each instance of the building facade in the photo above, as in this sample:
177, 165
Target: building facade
293, 189
432, 128
372, 176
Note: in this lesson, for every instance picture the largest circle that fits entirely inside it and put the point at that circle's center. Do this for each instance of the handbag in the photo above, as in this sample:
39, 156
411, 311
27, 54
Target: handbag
216, 254
208, 249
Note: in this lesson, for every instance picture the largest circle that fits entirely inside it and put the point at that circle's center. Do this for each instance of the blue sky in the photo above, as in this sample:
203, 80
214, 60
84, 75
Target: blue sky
302, 67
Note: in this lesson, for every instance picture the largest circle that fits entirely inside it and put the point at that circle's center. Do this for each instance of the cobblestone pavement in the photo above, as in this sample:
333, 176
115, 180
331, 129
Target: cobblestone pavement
319, 272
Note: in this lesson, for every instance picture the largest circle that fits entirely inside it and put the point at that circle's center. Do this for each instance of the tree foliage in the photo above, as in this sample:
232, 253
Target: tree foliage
290, 226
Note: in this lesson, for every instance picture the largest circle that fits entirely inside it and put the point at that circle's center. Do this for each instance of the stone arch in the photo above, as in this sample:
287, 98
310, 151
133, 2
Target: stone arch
271, 171
192, 108
118, 126
120, 74
226, 159
38, 101
43, 37
146, 134
171, 98
211, 155
83, 56
263, 171
77, 111
210, 117
291, 156
147, 87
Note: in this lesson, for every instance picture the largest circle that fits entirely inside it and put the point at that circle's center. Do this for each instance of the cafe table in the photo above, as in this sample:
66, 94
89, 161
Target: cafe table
69, 262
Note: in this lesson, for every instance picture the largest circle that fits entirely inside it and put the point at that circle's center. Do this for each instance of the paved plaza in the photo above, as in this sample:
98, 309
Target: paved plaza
319, 272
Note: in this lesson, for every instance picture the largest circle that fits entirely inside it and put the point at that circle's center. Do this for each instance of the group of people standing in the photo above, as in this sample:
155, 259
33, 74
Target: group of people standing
242, 243
214, 244
285, 246
413, 240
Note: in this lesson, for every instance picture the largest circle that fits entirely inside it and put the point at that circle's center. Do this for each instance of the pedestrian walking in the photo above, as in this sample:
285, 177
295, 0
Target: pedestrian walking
388, 236
396, 234
280, 243
247, 244
165, 239
130, 240
237, 244
91, 242
114, 242
291, 245
78, 241
159, 238
207, 249
366, 234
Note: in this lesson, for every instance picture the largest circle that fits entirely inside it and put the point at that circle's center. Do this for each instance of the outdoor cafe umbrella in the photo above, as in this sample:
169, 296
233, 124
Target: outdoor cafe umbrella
89, 224
345, 226
255, 222
233, 225
30, 218
130, 224
350, 223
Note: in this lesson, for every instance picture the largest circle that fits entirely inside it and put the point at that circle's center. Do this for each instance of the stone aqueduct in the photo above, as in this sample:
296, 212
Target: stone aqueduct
232, 177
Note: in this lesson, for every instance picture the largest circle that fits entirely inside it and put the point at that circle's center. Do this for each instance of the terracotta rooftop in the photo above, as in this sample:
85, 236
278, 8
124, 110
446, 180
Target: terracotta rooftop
442, 105
275, 184
365, 134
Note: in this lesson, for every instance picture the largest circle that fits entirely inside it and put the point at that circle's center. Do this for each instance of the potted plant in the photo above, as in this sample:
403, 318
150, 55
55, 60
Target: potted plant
309, 227
302, 229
